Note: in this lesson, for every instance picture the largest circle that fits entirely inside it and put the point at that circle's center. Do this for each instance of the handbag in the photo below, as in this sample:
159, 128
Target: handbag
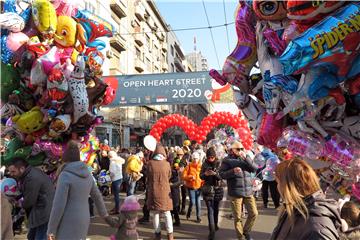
208, 191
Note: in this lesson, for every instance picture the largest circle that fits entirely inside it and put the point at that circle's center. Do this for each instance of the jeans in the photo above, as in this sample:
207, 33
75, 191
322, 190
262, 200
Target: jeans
250, 205
38, 233
131, 188
195, 199
273, 190
115, 187
183, 198
213, 214
168, 221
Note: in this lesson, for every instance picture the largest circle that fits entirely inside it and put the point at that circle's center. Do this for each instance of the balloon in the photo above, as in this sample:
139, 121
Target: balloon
59, 125
12, 21
11, 147
270, 130
150, 142
110, 95
30, 121
9, 187
65, 7
270, 10
78, 90
65, 32
238, 64
187, 143
325, 44
10, 80
44, 16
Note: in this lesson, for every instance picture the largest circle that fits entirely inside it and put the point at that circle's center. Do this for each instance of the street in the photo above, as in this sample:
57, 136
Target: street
264, 225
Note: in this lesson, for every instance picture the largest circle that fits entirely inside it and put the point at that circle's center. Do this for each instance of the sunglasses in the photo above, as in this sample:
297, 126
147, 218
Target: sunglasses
238, 149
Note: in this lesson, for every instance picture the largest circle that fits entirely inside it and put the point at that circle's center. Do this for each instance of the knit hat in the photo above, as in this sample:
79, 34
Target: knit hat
160, 150
130, 204
210, 152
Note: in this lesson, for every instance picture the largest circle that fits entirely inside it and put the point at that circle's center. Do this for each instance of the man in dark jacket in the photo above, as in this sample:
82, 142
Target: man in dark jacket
236, 169
38, 193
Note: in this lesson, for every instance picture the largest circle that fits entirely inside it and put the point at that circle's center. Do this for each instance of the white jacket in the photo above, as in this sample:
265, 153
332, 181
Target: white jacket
116, 168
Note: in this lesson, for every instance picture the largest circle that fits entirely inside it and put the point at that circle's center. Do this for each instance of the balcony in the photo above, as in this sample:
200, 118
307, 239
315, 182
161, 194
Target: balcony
164, 47
179, 64
139, 65
139, 39
164, 66
118, 42
140, 12
118, 7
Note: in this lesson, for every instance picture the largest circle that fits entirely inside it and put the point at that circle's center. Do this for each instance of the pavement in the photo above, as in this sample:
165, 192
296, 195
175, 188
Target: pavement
189, 229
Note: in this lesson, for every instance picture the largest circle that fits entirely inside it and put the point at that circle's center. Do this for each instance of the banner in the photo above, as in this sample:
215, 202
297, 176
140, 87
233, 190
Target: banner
167, 88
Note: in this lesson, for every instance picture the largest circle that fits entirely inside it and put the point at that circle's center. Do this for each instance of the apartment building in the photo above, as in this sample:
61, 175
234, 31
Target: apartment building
198, 61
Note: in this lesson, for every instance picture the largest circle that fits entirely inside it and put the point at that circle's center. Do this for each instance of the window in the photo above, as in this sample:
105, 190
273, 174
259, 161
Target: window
148, 64
156, 69
172, 50
172, 68
148, 42
138, 53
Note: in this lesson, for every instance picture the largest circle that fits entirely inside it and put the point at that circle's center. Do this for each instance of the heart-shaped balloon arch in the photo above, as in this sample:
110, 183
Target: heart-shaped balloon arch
199, 133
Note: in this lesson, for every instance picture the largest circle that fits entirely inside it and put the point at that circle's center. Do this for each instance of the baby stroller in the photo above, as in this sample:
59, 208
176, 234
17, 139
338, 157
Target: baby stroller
104, 182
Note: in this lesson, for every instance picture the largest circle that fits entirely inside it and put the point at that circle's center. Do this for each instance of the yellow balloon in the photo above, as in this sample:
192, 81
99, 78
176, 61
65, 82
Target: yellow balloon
187, 143
44, 16
65, 32
91, 159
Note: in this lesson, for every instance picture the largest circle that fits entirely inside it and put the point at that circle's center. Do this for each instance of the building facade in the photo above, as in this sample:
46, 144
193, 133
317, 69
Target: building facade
197, 61
143, 44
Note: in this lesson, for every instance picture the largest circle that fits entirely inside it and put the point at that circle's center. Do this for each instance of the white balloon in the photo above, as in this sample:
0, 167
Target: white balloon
150, 143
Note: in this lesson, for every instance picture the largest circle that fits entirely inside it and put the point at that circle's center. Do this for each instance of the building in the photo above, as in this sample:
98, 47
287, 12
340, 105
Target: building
142, 44
198, 61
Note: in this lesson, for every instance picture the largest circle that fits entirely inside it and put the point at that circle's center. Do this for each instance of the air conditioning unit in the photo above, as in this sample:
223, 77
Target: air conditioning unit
109, 54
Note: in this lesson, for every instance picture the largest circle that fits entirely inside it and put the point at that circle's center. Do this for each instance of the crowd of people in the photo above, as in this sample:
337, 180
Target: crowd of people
167, 176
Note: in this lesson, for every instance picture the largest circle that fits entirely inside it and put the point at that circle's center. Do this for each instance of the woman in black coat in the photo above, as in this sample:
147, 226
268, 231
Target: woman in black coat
175, 183
212, 190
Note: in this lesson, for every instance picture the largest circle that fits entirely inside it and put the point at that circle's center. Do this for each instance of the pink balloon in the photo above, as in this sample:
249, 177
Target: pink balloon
16, 40
270, 130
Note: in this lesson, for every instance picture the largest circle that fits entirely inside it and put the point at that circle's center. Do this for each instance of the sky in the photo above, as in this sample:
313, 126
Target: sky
190, 13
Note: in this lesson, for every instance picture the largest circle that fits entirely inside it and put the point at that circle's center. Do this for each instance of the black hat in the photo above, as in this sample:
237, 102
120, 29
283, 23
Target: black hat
210, 152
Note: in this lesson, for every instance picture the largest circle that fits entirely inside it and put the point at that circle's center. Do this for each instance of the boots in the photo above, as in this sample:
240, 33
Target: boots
157, 236
170, 236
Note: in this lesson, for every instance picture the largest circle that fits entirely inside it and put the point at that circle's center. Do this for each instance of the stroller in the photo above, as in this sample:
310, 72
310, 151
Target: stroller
104, 182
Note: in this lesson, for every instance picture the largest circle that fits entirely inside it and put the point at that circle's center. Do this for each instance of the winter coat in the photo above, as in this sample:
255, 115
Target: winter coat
175, 183
158, 186
239, 184
70, 216
104, 163
38, 192
323, 222
134, 164
126, 224
212, 189
6, 219
191, 175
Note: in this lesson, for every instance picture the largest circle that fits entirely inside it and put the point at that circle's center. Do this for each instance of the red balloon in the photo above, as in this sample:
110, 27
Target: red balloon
270, 130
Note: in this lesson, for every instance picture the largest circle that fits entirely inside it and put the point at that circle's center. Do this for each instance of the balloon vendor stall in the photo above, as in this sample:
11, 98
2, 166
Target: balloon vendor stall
308, 99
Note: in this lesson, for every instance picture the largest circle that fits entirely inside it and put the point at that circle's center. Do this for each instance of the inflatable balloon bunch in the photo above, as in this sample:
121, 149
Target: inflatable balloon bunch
88, 149
199, 133
309, 96
51, 86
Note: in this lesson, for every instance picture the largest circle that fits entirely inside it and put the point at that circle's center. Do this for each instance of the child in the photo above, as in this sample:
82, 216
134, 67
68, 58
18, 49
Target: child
175, 184
350, 214
127, 220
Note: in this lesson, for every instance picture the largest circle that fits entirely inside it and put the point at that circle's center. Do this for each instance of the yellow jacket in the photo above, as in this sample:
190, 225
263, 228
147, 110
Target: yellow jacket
134, 164
191, 175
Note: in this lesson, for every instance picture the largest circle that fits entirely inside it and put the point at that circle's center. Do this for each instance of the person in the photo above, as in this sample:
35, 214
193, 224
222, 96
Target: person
115, 169
158, 190
38, 194
183, 163
212, 190
191, 176
104, 161
127, 220
175, 183
236, 168
350, 214
6, 219
306, 213
70, 216
133, 170
271, 161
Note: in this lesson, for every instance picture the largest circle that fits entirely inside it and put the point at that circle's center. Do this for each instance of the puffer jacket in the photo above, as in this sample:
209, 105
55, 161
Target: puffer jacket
323, 222
212, 189
192, 170
239, 184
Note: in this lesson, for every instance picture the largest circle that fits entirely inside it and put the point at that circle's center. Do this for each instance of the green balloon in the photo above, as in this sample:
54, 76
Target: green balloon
37, 159
11, 148
10, 80
23, 152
